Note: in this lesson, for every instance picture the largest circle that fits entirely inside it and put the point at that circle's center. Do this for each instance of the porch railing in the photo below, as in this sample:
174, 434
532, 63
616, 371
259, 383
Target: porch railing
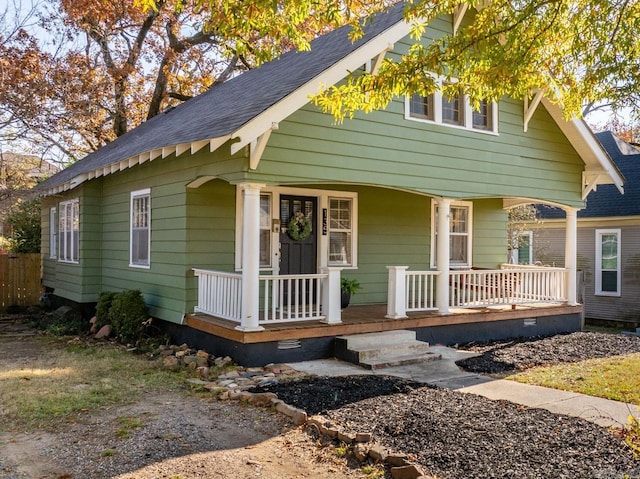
478, 288
420, 290
219, 294
283, 298
289, 298
416, 290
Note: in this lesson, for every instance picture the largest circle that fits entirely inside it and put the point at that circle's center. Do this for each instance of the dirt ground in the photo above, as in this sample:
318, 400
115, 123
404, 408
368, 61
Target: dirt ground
182, 437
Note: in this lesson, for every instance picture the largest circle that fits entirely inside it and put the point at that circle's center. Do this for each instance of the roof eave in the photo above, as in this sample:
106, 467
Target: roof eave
599, 169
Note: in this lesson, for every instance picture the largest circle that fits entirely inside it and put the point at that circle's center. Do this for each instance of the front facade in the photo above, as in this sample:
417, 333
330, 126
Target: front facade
255, 223
608, 240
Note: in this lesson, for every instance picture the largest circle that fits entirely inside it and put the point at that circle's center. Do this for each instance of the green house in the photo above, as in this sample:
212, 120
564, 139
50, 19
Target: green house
238, 212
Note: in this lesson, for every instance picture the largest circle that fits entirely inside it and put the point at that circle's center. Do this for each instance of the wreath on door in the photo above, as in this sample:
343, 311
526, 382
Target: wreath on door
299, 227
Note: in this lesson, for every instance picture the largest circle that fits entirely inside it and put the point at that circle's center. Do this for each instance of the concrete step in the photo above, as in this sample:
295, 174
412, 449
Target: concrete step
384, 349
407, 348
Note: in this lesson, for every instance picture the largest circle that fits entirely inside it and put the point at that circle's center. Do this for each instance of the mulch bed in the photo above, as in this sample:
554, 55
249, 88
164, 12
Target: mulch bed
518, 354
456, 435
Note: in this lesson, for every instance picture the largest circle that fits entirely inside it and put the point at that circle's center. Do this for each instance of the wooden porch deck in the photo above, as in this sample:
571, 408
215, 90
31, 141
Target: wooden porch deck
370, 319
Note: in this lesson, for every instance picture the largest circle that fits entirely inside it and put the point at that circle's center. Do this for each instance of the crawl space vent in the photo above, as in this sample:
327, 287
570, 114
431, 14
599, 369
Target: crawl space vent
289, 344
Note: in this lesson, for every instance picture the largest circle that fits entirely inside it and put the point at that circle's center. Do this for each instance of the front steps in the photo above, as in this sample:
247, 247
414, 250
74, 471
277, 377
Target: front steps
381, 350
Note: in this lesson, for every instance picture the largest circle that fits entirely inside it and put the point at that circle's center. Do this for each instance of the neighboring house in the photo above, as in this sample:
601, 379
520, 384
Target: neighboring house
608, 239
237, 212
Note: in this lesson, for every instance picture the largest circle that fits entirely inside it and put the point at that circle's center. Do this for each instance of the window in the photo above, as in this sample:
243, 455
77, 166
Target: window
460, 226
608, 262
340, 232
53, 234
140, 239
265, 231
452, 110
455, 111
525, 247
482, 118
421, 107
68, 231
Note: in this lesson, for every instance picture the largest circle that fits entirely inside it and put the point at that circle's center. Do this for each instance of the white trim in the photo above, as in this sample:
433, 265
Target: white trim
323, 240
75, 241
53, 233
587, 146
133, 196
466, 111
530, 108
453, 204
528, 234
598, 281
300, 97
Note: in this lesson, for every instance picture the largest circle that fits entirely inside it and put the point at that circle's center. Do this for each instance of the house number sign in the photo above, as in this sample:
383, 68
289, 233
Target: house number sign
324, 222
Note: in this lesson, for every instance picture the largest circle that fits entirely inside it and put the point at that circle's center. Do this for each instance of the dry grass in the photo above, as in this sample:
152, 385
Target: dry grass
67, 379
615, 378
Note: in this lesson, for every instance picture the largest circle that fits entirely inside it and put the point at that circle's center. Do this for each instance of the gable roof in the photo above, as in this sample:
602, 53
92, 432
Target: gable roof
221, 112
607, 201
250, 105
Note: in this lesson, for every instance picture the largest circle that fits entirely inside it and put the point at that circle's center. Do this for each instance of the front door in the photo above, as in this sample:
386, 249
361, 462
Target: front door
298, 234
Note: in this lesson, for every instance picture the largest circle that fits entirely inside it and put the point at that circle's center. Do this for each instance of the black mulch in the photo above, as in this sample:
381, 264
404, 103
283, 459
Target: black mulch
457, 435
519, 354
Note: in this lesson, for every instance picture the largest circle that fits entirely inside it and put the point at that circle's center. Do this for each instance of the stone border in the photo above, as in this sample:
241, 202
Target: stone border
361, 443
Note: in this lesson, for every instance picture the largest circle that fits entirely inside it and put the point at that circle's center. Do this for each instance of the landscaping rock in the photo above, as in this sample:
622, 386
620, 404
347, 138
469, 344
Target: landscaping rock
104, 332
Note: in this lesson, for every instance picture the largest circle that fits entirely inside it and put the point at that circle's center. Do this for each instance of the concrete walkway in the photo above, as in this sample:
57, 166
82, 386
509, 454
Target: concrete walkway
446, 374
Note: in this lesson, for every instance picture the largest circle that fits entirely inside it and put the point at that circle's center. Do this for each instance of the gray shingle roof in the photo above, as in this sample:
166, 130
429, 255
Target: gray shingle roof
223, 109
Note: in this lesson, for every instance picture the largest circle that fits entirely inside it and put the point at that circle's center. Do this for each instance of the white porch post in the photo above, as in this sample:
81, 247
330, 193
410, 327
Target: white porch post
332, 297
397, 292
571, 254
442, 256
250, 258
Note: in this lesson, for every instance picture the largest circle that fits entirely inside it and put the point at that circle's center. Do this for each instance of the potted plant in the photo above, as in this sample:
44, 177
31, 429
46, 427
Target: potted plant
347, 288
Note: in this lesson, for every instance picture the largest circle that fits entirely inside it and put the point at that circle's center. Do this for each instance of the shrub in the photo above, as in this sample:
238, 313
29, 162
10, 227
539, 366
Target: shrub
102, 308
24, 221
128, 315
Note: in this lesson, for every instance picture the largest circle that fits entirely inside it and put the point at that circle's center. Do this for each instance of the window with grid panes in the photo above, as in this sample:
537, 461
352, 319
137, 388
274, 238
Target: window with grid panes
68, 231
340, 229
140, 228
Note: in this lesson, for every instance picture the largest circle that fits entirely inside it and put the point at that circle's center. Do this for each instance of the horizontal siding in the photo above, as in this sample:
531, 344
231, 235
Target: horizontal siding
549, 249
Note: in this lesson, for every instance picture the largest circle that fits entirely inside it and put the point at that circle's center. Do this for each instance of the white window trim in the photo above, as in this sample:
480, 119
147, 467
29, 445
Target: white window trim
323, 240
598, 282
75, 207
432, 260
134, 195
468, 114
53, 233
528, 234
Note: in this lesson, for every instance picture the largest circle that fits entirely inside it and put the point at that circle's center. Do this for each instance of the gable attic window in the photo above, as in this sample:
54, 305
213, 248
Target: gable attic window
68, 231
140, 234
453, 111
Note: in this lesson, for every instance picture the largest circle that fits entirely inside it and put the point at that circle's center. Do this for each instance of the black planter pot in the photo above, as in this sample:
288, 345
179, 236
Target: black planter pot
344, 300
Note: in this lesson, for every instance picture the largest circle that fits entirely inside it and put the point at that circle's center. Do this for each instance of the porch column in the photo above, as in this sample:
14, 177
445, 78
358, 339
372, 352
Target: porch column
331, 297
250, 258
442, 255
571, 254
397, 292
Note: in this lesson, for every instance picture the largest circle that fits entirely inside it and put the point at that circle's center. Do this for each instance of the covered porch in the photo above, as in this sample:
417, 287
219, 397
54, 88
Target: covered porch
252, 300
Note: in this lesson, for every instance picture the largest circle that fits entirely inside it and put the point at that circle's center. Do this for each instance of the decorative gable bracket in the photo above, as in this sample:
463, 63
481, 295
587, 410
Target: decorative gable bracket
590, 181
374, 65
256, 146
530, 107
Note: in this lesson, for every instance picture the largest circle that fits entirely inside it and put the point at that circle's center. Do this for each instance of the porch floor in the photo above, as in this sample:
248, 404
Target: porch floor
369, 319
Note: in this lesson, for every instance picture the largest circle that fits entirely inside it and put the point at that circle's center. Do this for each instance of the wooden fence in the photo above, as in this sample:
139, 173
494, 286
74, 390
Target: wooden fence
20, 279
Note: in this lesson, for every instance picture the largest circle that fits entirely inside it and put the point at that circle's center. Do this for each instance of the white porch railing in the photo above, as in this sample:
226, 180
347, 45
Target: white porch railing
289, 298
416, 290
421, 290
219, 294
283, 298
518, 285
